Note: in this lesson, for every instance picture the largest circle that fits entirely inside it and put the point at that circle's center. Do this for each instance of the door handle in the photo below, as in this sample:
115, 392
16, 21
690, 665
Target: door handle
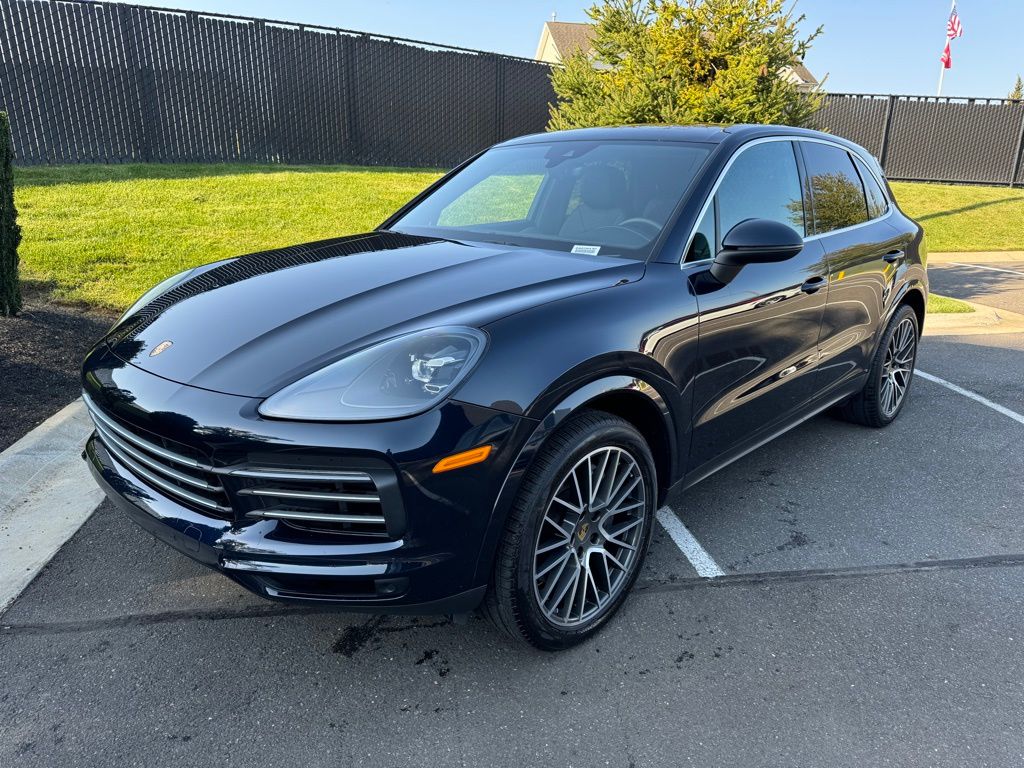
893, 256
813, 285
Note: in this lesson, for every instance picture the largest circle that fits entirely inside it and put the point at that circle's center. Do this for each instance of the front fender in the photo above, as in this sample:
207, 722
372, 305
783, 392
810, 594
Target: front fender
652, 388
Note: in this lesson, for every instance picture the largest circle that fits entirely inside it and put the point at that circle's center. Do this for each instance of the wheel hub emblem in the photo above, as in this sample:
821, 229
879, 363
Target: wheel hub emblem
581, 534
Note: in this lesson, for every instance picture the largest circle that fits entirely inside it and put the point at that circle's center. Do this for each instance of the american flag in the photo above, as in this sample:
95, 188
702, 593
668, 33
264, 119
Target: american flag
954, 28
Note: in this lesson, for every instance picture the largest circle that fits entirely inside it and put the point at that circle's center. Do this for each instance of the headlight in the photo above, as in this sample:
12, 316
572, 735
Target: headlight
399, 377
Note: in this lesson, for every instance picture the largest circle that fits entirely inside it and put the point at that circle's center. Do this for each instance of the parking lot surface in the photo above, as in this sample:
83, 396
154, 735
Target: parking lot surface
998, 284
871, 612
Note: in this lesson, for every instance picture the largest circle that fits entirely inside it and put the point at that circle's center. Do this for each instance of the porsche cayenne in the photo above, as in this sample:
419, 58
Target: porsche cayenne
484, 401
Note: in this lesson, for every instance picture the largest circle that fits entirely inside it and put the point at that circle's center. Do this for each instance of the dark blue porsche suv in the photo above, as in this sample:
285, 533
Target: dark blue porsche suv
484, 401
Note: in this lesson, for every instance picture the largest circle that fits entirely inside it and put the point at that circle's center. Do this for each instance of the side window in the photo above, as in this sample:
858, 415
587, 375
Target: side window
837, 194
703, 245
877, 202
762, 183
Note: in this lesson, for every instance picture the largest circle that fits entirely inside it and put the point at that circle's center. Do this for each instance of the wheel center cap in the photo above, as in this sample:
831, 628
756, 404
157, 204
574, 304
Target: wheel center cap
582, 530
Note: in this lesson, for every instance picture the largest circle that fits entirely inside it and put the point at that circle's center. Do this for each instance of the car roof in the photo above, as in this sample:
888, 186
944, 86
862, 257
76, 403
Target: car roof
704, 134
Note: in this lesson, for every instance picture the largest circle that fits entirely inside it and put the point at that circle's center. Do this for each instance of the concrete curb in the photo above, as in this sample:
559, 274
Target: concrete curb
45, 497
975, 257
983, 320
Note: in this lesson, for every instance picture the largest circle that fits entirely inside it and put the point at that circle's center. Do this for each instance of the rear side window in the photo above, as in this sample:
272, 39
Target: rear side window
877, 203
762, 183
834, 185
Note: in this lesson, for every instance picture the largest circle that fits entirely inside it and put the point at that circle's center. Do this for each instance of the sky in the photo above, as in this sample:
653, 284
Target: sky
867, 46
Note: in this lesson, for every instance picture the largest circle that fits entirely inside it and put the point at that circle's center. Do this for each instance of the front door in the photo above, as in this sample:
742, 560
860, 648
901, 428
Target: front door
758, 335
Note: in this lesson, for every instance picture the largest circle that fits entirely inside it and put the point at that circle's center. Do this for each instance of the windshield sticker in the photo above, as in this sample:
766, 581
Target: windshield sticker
587, 250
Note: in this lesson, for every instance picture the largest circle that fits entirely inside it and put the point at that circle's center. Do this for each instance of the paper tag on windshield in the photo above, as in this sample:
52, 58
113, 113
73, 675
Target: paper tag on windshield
587, 250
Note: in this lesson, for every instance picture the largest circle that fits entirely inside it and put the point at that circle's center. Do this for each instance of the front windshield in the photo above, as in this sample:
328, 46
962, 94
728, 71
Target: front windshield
592, 197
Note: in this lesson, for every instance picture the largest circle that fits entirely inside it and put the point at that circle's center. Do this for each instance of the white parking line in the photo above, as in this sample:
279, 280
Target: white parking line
972, 395
705, 565
702, 562
991, 269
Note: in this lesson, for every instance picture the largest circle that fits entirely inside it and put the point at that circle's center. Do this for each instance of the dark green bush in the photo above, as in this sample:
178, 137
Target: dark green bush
10, 232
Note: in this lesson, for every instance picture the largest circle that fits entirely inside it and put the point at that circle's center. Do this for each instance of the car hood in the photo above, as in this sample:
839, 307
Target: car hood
254, 324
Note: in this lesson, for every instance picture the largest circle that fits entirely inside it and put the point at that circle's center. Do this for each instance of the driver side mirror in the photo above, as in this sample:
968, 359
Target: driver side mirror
755, 241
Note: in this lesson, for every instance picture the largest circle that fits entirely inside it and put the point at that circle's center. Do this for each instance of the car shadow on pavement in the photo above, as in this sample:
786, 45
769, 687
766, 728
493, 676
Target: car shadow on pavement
972, 284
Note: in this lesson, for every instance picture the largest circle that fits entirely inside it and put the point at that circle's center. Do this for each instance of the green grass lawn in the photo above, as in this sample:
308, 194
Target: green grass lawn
943, 305
965, 218
102, 235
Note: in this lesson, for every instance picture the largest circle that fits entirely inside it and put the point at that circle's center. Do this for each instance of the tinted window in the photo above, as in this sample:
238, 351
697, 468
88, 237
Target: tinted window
595, 197
838, 195
703, 245
877, 203
762, 183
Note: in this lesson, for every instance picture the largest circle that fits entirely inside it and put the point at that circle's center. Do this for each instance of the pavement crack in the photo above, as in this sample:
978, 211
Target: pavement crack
146, 619
824, 574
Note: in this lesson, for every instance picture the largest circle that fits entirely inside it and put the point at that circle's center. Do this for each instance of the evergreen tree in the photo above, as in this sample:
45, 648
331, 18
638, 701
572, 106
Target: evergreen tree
1018, 90
10, 232
686, 61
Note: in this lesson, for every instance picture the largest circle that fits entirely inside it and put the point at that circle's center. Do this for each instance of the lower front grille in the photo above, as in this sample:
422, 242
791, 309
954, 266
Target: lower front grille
316, 500
186, 479
349, 500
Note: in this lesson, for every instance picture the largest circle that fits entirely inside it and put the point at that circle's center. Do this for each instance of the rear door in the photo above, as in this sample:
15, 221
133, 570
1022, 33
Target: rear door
848, 218
758, 334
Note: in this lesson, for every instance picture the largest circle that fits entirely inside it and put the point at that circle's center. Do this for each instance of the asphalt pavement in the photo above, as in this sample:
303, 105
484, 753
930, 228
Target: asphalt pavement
871, 613
998, 284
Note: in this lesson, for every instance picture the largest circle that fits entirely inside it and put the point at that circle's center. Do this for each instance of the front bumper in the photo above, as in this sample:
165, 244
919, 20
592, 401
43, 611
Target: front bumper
427, 561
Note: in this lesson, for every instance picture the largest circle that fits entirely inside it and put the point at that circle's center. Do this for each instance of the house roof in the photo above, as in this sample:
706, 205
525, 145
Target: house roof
570, 36
803, 73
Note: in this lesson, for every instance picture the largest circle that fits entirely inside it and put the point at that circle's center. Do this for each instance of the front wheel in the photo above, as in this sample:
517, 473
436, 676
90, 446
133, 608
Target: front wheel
884, 394
577, 534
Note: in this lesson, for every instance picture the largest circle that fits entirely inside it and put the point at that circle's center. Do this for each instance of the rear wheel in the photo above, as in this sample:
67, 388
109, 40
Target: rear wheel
884, 394
577, 535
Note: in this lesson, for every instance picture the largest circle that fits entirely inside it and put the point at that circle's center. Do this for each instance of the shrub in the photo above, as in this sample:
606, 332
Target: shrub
685, 61
10, 232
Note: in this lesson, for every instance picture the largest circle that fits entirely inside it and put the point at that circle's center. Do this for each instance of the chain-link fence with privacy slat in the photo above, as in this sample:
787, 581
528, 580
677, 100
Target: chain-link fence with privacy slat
95, 82
921, 138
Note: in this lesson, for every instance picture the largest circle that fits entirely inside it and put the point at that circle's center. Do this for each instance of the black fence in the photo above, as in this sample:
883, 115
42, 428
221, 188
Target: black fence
91, 82
923, 138
94, 82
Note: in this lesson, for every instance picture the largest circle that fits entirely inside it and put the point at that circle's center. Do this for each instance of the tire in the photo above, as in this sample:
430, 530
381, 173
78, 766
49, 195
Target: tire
874, 405
523, 598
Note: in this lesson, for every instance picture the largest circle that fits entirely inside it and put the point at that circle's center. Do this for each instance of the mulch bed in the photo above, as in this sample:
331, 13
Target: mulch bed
41, 351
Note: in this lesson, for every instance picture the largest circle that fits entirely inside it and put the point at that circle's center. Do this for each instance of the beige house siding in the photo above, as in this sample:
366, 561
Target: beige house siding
546, 48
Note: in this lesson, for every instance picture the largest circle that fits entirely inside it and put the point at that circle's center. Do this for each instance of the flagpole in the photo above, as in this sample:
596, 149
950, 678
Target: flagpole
942, 68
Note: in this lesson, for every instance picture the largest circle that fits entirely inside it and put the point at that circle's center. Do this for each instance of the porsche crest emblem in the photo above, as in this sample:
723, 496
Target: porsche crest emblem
163, 346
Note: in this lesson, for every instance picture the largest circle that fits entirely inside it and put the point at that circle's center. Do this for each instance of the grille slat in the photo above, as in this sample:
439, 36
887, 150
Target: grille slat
310, 475
320, 517
283, 493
